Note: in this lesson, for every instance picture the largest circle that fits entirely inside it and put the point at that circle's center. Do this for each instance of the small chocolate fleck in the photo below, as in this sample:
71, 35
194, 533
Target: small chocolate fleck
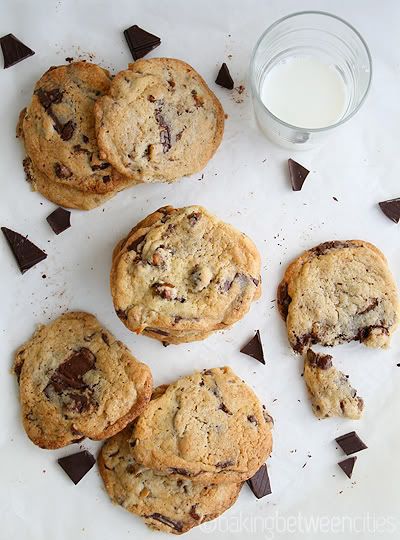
25, 252
224, 78
347, 465
391, 209
77, 465
59, 220
259, 483
140, 42
351, 443
298, 174
254, 348
14, 50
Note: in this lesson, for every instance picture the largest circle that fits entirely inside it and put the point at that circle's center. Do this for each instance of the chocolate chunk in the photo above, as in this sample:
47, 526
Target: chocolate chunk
62, 171
224, 464
85, 139
372, 305
133, 246
351, 443
176, 525
48, 97
140, 42
252, 419
166, 291
77, 465
177, 470
100, 166
26, 254
104, 337
78, 402
193, 514
69, 374
14, 50
59, 220
27, 165
67, 130
325, 247
224, 78
78, 149
198, 100
224, 408
284, 300
194, 218
391, 209
121, 314
298, 174
165, 135
347, 465
254, 348
156, 331
259, 483
321, 361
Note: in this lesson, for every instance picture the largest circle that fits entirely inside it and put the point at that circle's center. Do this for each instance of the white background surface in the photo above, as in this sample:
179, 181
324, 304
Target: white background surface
247, 185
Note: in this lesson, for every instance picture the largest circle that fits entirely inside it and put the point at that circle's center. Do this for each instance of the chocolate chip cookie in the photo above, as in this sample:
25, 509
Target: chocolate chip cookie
181, 274
76, 380
337, 292
165, 503
208, 427
159, 121
58, 130
329, 389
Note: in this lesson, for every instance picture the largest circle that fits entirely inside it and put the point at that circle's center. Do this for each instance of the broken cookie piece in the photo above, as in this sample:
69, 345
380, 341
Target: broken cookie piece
329, 389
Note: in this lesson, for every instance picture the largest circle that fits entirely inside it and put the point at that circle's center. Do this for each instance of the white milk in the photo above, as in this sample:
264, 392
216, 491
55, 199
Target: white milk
305, 92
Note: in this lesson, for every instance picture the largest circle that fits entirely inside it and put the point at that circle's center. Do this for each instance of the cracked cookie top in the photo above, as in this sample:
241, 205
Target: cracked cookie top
337, 292
76, 380
184, 271
59, 133
166, 503
159, 121
208, 427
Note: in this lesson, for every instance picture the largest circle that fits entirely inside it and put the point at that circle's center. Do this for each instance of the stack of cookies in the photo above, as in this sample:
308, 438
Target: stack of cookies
184, 460
181, 273
88, 136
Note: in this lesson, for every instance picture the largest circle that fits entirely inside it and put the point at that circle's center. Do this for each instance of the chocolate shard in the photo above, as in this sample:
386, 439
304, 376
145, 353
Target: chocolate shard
176, 525
298, 174
14, 50
259, 483
391, 209
69, 374
347, 465
254, 348
59, 220
77, 465
140, 42
26, 254
351, 443
224, 78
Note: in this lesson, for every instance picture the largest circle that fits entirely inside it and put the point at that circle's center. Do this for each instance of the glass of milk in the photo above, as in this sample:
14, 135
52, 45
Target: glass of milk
310, 72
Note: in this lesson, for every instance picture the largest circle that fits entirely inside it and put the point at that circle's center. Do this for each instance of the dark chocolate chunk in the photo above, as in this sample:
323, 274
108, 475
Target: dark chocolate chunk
224, 408
59, 220
391, 209
351, 443
133, 246
252, 419
67, 130
27, 165
100, 166
62, 171
48, 97
321, 361
325, 247
177, 470
298, 174
194, 218
140, 42
85, 139
259, 483
69, 374
14, 50
224, 464
284, 300
193, 514
156, 331
254, 348
176, 525
165, 134
224, 78
347, 465
26, 254
77, 465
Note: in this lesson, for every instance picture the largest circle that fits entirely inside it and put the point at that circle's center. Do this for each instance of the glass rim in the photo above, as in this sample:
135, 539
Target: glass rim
252, 70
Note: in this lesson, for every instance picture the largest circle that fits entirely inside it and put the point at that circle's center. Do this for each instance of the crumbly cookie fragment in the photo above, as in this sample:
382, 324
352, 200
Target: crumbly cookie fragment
329, 389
